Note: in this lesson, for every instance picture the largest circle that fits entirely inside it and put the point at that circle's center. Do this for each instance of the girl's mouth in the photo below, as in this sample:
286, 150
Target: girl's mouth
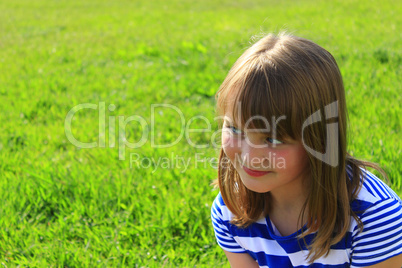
255, 173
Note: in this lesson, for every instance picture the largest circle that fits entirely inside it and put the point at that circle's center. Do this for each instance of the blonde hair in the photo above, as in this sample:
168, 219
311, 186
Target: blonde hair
288, 75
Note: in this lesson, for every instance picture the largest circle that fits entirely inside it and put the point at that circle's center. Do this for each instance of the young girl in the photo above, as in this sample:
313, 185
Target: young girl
290, 194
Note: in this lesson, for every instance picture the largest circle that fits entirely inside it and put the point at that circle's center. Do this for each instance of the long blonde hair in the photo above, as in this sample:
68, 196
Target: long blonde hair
287, 75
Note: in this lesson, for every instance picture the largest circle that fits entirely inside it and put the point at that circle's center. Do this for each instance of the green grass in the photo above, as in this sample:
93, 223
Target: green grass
68, 207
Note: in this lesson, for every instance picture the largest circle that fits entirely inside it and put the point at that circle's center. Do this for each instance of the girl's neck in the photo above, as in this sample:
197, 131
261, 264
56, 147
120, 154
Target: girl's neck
286, 205
290, 196
289, 203
286, 215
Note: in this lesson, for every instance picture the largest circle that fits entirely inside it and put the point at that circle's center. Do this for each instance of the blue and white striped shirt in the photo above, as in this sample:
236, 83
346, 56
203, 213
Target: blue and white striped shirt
377, 206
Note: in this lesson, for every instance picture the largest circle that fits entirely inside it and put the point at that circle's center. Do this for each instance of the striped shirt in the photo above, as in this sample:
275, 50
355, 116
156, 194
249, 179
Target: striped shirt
377, 206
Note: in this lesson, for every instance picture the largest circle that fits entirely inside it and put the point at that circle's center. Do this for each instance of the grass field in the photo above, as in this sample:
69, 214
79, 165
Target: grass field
63, 206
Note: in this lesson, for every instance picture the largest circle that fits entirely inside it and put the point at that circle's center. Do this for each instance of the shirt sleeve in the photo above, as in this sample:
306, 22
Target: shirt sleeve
220, 216
381, 237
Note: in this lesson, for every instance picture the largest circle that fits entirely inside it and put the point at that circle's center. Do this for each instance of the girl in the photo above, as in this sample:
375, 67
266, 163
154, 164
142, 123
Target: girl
290, 194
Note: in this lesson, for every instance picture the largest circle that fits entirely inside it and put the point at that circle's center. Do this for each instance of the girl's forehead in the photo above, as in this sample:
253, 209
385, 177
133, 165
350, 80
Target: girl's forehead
252, 107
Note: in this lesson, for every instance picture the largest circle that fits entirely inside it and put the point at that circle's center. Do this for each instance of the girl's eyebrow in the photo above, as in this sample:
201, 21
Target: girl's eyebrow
231, 124
252, 130
228, 119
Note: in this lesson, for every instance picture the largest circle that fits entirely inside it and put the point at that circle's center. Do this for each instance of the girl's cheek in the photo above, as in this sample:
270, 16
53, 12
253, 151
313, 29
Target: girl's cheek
226, 139
228, 146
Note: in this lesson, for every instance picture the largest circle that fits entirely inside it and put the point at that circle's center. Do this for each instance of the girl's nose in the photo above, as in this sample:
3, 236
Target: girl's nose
254, 155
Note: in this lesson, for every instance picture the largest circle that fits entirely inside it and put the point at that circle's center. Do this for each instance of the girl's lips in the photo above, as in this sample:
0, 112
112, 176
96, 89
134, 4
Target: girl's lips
255, 173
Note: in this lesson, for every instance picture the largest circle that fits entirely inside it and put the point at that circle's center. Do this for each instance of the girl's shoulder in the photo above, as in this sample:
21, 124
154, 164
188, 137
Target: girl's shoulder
373, 191
379, 209
219, 209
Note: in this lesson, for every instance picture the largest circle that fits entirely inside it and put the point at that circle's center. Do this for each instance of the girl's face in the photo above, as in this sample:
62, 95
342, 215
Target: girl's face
265, 164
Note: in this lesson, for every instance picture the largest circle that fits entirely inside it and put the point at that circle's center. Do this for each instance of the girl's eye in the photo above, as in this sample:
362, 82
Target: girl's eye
274, 141
235, 130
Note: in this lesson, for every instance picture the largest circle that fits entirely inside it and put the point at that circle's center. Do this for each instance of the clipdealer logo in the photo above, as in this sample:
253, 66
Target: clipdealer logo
330, 156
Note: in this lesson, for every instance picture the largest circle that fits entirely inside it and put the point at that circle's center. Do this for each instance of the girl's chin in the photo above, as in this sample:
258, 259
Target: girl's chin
256, 187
